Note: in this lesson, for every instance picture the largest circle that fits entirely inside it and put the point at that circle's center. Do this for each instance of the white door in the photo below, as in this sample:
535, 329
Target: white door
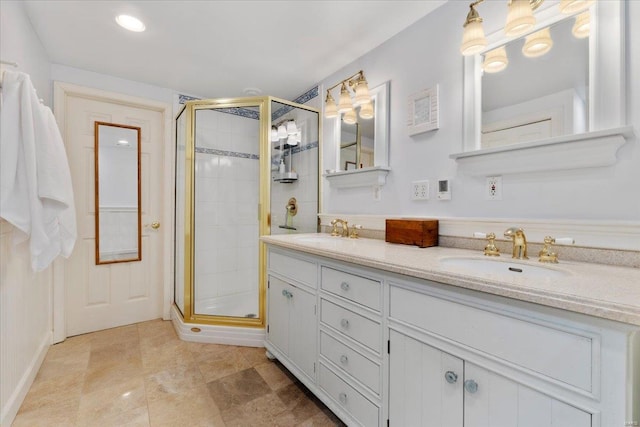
426, 385
109, 295
302, 324
278, 321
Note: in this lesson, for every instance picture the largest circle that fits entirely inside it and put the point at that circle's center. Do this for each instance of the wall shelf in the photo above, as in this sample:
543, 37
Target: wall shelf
373, 176
587, 150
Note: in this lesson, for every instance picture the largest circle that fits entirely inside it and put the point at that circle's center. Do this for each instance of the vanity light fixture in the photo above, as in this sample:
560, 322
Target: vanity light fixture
495, 60
282, 131
538, 43
360, 88
274, 134
130, 23
350, 117
520, 18
582, 27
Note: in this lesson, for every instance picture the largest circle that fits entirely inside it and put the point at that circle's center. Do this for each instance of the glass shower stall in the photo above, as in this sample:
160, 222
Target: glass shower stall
245, 167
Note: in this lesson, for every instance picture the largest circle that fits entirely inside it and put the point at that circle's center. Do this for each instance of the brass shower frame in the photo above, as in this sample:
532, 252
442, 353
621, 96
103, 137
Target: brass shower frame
264, 205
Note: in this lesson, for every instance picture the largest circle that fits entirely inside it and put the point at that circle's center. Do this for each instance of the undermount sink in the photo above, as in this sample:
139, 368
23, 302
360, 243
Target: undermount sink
506, 268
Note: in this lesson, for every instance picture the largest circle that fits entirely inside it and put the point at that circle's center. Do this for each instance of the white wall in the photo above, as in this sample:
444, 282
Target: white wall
427, 54
25, 297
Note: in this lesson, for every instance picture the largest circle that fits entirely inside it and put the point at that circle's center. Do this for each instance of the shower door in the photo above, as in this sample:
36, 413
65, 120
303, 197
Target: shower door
220, 170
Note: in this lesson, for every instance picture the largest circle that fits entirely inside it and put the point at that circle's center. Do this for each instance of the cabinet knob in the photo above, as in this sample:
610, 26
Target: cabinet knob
344, 286
344, 359
344, 323
471, 386
287, 294
451, 377
343, 398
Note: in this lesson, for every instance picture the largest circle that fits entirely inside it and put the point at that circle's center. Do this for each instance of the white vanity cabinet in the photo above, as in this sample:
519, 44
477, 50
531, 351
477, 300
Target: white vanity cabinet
380, 348
292, 321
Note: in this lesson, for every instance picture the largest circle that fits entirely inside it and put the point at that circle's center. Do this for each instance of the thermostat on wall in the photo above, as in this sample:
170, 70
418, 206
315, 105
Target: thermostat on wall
444, 189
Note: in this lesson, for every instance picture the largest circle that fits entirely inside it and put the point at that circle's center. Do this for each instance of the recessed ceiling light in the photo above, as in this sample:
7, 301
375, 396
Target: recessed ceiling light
130, 23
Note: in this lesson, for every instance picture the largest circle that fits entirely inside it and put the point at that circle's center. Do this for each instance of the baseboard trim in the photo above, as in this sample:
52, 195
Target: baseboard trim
12, 406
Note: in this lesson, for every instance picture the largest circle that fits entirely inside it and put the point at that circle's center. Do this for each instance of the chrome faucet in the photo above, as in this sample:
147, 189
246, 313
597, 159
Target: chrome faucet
519, 242
343, 225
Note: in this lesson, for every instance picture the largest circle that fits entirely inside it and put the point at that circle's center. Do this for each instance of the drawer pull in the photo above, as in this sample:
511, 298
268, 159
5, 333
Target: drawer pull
451, 377
343, 398
344, 286
344, 359
287, 294
471, 386
344, 323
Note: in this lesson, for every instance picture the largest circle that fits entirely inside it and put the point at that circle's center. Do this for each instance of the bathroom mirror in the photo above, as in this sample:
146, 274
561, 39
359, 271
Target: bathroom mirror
356, 145
117, 193
552, 95
602, 93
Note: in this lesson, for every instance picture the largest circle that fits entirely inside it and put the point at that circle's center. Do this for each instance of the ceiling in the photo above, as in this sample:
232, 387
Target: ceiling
220, 48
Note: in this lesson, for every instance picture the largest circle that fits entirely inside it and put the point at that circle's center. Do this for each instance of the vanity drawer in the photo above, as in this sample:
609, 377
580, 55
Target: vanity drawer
305, 272
350, 361
563, 355
358, 406
355, 288
353, 325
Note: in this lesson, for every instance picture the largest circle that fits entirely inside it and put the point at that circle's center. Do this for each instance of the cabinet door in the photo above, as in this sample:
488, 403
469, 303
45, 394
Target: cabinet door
278, 314
419, 392
499, 402
303, 327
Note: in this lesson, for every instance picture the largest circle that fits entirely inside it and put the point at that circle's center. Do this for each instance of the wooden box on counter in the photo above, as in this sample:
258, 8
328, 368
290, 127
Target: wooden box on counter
419, 232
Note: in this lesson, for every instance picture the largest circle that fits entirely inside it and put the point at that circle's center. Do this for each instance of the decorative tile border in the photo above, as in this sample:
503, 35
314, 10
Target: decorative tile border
251, 114
226, 153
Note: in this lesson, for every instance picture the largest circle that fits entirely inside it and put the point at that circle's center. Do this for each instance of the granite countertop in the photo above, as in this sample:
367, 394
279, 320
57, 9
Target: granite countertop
597, 290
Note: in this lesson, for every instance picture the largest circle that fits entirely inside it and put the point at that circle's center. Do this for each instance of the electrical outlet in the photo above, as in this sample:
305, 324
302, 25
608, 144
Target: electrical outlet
494, 188
420, 190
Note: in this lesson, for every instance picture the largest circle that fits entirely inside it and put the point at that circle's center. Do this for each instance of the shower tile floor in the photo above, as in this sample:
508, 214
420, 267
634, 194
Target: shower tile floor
144, 375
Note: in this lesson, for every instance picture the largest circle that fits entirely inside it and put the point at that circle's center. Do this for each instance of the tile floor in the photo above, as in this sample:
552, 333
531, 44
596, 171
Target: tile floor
143, 375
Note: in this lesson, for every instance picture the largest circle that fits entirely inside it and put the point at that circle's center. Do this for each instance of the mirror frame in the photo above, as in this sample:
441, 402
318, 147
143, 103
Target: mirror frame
97, 191
607, 102
380, 96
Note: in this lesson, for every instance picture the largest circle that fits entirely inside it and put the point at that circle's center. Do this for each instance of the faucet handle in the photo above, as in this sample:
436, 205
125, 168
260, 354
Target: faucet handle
354, 231
491, 249
546, 255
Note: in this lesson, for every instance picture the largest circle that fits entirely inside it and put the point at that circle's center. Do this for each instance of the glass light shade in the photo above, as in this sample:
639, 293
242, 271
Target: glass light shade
274, 134
282, 132
291, 127
571, 6
538, 43
520, 18
582, 27
362, 93
473, 39
350, 117
293, 139
495, 60
330, 107
366, 111
344, 105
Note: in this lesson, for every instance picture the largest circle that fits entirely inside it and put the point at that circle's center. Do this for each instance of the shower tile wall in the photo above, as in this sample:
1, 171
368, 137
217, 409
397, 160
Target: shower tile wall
227, 197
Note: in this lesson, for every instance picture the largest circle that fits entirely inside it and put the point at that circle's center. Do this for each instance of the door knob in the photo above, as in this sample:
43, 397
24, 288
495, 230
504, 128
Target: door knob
471, 386
451, 377
155, 225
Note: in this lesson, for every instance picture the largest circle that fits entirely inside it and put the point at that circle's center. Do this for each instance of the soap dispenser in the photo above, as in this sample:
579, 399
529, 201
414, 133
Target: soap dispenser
282, 166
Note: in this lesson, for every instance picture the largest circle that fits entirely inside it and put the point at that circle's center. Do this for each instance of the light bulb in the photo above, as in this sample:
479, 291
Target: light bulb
520, 18
495, 60
538, 43
345, 104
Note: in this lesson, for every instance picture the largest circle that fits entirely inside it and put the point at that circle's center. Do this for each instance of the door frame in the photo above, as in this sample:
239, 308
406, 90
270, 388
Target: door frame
61, 91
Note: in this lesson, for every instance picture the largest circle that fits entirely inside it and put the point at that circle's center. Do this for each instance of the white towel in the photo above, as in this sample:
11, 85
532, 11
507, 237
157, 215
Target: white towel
36, 193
